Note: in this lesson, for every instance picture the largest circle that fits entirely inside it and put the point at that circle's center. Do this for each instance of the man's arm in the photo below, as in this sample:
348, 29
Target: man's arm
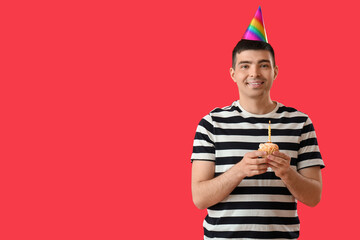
305, 185
208, 190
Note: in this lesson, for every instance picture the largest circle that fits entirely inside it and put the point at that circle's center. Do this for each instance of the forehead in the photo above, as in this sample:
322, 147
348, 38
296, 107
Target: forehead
253, 56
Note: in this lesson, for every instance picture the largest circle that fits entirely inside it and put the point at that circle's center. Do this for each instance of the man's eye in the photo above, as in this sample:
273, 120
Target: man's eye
264, 65
244, 66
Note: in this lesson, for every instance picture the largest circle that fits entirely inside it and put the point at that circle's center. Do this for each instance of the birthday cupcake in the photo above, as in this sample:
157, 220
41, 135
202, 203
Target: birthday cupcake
269, 147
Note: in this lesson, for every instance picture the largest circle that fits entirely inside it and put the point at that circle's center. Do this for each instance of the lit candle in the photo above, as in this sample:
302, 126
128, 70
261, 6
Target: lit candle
269, 132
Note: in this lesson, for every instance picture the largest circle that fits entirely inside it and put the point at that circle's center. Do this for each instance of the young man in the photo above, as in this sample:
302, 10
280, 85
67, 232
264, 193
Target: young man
248, 194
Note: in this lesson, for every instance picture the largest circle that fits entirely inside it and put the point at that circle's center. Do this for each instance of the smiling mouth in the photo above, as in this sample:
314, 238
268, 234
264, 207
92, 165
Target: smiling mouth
255, 84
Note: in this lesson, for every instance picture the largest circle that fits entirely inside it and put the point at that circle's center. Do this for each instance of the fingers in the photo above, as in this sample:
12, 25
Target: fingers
258, 169
256, 154
274, 164
257, 172
279, 158
280, 163
257, 162
256, 158
281, 155
260, 164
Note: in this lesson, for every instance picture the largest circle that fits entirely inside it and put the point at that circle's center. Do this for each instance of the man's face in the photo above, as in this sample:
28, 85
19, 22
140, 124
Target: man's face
254, 73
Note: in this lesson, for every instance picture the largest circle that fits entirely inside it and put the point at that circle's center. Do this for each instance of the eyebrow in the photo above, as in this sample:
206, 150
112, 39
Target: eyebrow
249, 62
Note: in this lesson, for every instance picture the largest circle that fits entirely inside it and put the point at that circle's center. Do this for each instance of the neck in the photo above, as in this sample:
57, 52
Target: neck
257, 106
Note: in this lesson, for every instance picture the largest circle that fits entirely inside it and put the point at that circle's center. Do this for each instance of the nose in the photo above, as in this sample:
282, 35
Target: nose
254, 72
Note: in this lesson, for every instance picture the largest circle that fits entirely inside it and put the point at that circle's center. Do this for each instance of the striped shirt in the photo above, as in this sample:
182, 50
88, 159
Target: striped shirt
260, 207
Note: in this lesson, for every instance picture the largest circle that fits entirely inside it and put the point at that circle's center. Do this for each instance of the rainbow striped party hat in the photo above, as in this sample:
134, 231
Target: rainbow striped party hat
256, 29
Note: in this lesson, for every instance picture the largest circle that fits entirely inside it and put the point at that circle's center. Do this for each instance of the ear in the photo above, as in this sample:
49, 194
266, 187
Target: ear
232, 74
276, 71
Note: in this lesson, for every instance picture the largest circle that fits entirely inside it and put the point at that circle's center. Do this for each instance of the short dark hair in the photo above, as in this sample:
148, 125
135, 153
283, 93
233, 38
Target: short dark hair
244, 44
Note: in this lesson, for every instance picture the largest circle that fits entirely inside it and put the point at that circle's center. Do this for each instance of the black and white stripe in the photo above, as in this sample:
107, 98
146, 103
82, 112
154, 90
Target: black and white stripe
261, 207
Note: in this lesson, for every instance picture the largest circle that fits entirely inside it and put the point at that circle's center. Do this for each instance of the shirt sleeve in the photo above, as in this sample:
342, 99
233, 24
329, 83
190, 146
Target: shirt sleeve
309, 152
203, 147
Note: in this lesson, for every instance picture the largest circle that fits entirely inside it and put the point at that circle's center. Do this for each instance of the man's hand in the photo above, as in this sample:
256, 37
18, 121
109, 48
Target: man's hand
305, 185
253, 163
279, 163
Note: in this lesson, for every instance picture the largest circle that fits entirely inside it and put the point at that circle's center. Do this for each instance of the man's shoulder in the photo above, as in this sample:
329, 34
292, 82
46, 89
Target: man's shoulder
290, 111
225, 110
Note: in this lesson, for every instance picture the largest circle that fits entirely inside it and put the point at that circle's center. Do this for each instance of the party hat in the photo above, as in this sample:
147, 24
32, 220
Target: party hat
256, 29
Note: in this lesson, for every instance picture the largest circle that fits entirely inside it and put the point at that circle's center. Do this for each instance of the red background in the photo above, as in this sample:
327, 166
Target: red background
100, 101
